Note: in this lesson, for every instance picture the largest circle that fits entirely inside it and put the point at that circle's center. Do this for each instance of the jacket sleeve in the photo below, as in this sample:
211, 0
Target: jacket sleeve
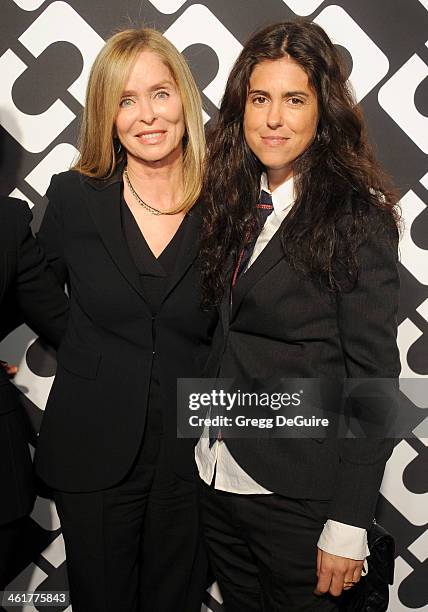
367, 320
51, 233
39, 296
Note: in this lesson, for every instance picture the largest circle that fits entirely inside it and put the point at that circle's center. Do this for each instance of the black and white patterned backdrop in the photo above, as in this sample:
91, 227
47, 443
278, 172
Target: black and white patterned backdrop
46, 50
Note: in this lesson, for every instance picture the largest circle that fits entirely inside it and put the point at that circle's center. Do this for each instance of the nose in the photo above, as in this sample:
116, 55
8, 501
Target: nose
274, 117
147, 111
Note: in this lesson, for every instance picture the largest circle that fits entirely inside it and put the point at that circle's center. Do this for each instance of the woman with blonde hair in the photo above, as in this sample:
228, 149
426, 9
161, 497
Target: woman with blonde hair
121, 232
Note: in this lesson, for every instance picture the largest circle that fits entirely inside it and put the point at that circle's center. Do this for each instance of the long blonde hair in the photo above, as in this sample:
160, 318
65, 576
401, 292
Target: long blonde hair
99, 156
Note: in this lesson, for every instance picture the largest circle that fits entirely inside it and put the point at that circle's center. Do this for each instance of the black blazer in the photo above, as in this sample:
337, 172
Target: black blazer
95, 415
30, 292
282, 325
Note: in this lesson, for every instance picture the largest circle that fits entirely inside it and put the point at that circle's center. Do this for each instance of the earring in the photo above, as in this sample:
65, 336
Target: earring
118, 147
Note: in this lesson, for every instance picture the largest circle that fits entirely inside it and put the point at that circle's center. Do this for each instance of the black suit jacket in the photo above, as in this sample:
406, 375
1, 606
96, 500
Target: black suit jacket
285, 326
30, 292
95, 415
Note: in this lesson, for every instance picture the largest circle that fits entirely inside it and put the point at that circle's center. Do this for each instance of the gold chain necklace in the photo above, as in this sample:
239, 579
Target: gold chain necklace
150, 209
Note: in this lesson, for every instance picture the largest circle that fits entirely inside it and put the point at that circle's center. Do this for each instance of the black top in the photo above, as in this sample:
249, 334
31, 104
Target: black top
154, 271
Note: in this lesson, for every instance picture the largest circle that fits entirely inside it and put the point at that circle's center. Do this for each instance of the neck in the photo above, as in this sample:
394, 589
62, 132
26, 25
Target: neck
159, 184
277, 177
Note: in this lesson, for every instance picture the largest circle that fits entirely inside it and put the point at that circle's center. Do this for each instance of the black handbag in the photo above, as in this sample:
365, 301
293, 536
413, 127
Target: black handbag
371, 593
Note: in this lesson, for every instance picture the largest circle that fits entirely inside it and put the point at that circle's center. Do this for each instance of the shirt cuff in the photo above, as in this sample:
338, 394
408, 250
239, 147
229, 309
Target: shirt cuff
344, 540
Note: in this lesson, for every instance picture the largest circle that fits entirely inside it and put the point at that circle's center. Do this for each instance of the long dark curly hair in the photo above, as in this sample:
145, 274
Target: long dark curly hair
337, 175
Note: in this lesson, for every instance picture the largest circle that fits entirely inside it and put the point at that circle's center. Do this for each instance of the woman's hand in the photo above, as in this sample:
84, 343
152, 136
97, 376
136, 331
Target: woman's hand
11, 370
336, 573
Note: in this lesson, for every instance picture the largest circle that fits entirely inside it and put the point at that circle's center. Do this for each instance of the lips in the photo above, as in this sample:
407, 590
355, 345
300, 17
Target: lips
274, 140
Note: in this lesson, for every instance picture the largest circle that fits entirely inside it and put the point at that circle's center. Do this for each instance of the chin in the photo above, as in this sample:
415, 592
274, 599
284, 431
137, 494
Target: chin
271, 165
153, 158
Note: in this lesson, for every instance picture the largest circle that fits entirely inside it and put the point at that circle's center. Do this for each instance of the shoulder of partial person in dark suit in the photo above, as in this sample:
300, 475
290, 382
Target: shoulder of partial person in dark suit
13, 213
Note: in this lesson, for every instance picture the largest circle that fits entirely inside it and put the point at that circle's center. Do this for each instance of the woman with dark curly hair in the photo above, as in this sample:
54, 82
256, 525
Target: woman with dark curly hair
300, 253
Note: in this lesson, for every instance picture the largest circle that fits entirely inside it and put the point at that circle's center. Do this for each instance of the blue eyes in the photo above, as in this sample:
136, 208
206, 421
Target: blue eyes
158, 95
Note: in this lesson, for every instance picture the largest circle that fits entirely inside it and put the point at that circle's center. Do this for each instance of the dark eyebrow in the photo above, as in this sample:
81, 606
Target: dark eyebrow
287, 94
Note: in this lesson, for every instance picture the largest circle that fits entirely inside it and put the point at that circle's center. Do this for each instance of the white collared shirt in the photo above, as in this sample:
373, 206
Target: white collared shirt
336, 538
282, 200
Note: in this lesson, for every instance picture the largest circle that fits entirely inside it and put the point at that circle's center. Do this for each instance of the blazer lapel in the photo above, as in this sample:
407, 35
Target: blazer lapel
188, 249
104, 208
269, 257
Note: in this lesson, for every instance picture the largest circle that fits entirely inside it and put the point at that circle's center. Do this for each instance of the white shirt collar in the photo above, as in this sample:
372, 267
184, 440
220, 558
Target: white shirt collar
282, 196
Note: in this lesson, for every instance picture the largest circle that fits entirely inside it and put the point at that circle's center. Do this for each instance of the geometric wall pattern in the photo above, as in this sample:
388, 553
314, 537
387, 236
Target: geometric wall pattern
46, 50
